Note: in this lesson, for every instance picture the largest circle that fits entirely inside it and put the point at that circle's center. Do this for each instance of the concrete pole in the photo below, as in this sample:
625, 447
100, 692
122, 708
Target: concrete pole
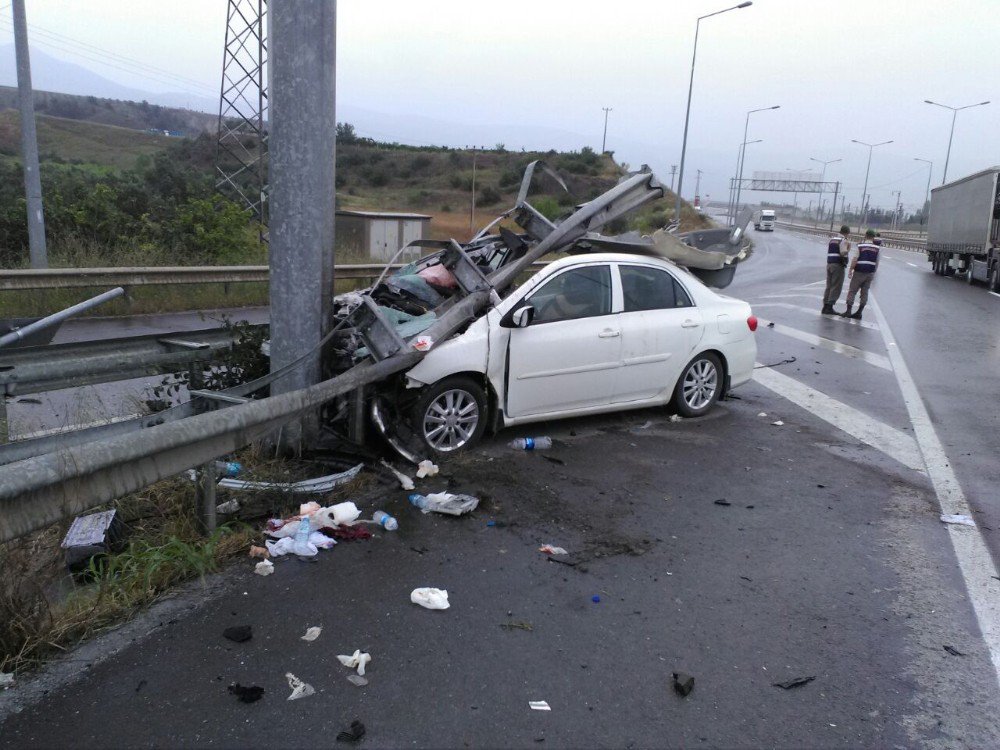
604, 139
29, 141
303, 138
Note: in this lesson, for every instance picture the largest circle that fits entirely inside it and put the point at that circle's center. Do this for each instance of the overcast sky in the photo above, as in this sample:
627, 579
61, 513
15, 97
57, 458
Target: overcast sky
526, 73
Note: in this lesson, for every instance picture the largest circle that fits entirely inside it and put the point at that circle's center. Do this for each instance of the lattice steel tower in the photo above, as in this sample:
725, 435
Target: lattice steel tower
241, 154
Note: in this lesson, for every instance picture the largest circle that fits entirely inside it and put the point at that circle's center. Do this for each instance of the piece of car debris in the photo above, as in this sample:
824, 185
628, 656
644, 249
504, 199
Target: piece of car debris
958, 519
683, 683
247, 693
794, 683
778, 423
548, 549
238, 633
299, 688
722, 501
953, 651
539, 706
354, 733
312, 633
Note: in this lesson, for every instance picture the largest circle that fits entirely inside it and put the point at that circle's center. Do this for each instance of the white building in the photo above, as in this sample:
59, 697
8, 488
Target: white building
379, 235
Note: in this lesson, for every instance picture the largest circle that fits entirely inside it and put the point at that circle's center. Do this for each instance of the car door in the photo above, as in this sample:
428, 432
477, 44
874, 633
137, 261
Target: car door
568, 357
660, 328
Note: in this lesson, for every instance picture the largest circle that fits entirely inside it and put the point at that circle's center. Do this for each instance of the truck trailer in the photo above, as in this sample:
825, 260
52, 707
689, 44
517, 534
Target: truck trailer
963, 231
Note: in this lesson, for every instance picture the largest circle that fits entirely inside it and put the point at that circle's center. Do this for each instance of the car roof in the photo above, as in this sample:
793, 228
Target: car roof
649, 260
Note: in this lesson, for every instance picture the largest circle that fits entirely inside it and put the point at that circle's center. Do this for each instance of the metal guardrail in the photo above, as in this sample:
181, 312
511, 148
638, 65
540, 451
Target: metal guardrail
889, 239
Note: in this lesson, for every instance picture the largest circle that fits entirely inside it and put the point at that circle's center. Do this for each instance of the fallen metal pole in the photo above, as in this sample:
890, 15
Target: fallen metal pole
59, 317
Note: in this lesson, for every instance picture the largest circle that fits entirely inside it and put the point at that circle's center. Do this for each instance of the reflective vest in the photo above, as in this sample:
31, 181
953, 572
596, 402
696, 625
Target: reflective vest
833, 251
867, 258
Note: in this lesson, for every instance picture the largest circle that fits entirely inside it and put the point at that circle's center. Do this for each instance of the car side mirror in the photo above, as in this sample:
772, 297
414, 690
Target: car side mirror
519, 318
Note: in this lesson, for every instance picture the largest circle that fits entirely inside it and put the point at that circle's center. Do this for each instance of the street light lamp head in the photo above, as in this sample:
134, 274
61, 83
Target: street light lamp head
745, 5
776, 106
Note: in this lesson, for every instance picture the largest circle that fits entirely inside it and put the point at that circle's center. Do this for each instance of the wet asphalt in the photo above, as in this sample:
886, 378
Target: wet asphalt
739, 552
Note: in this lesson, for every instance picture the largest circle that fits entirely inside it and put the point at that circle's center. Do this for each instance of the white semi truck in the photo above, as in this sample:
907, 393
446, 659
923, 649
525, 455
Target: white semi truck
963, 231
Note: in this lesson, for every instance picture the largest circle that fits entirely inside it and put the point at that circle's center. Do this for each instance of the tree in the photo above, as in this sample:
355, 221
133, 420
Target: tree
346, 133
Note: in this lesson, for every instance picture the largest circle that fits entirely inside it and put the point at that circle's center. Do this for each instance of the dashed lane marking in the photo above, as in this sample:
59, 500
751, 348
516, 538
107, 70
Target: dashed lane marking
818, 314
894, 443
974, 559
834, 346
792, 296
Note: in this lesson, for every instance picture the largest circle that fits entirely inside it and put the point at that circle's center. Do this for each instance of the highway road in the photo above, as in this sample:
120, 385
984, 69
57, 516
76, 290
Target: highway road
741, 551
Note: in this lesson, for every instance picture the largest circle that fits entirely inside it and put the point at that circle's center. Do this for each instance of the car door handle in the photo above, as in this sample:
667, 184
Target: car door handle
690, 323
608, 334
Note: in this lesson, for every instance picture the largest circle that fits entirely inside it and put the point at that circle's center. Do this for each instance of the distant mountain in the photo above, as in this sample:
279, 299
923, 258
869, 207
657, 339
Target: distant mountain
52, 74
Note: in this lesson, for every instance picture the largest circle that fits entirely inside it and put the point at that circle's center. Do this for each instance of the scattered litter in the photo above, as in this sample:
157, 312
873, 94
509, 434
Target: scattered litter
548, 549
683, 683
307, 509
530, 444
90, 535
596, 599
404, 481
349, 533
953, 651
517, 625
357, 680
645, 425
771, 324
762, 414
722, 501
256, 551
312, 633
6, 680
228, 508
445, 502
299, 688
821, 486
247, 694
430, 598
423, 343
357, 659
316, 486
491, 524
386, 521
958, 519
238, 633
539, 706
745, 578
264, 568
290, 546
426, 468
778, 423
354, 733
676, 418
797, 682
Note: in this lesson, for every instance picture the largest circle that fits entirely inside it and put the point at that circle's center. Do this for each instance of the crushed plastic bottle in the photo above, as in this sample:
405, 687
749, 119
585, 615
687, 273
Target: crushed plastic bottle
444, 502
531, 444
228, 468
384, 520
301, 545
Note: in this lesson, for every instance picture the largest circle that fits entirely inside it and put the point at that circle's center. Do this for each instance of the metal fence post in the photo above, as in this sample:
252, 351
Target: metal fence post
205, 497
4, 423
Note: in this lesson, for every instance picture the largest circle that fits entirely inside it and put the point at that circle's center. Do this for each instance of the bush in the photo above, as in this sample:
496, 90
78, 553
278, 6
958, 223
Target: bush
547, 206
489, 195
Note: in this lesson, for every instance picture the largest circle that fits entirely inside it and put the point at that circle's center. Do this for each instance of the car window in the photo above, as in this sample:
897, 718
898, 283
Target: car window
646, 288
577, 293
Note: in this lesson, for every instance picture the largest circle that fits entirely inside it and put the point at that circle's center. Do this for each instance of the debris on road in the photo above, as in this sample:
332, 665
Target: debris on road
683, 683
517, 625
247, 694
404, 481
794, 683
238, 633
596, 598
90, 535
386, 521
430, 598
957, 519
349, 533
299, 688
354, 733
953, 651
539, 706
445, 502
762, 414
676, 418
722, 501
778, 423
357, 659
315, 486
264, 568
256, 551
312, 633
357, 680
548, 549
531, 444
228, 508
426, 468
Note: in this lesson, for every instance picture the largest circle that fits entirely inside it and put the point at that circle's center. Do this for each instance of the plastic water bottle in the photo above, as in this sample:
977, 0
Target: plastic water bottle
384, 520
228, 468
301, 544
419, 501
531, 444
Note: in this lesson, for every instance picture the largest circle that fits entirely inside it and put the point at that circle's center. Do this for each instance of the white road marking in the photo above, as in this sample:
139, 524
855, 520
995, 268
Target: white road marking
834, 346
994, 294
792, 296
912, 264
894, 443
818, 314
974, 559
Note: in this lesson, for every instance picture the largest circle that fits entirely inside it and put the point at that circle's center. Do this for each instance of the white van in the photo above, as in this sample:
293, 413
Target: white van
763, 220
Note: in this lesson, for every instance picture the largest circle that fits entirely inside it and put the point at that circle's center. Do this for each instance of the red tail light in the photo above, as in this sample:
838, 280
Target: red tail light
752, 322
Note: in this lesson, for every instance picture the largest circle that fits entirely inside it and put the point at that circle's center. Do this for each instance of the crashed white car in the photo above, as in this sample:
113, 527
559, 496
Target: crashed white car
587, 334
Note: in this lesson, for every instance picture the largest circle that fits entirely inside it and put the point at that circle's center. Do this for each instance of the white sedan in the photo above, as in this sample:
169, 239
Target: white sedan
587, 334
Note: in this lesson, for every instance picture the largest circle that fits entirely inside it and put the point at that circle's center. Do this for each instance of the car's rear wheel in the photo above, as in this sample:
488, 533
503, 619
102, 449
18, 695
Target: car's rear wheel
699, 386
995, 278
451, 414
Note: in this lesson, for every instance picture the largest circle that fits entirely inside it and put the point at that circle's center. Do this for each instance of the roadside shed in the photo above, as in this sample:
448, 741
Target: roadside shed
380, 234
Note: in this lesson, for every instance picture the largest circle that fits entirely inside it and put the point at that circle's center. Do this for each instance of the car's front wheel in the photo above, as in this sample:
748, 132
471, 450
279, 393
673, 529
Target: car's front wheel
451, 414
699, 386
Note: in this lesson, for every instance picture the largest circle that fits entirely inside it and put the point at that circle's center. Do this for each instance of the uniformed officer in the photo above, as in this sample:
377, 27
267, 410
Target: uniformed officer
837, 250
862, 273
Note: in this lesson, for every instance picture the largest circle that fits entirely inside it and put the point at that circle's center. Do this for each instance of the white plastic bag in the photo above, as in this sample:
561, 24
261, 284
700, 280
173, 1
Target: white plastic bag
299, 688
357, 659
264, 568
430, 598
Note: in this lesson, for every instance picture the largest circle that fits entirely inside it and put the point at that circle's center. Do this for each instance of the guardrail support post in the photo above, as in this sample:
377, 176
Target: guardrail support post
205, 497
358, 416
4, 424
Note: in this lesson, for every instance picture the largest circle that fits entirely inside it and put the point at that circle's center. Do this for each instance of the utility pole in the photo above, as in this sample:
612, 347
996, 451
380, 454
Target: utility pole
29, 141
604, 140
673, 171
895, 208
697, 188
303, 149
472, 210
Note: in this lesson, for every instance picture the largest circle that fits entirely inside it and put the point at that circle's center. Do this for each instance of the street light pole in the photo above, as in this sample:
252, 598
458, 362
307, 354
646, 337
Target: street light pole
739, 179
823, 177
927, 193
604, 140
687, 114
732, 193
864, 193
951, 136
